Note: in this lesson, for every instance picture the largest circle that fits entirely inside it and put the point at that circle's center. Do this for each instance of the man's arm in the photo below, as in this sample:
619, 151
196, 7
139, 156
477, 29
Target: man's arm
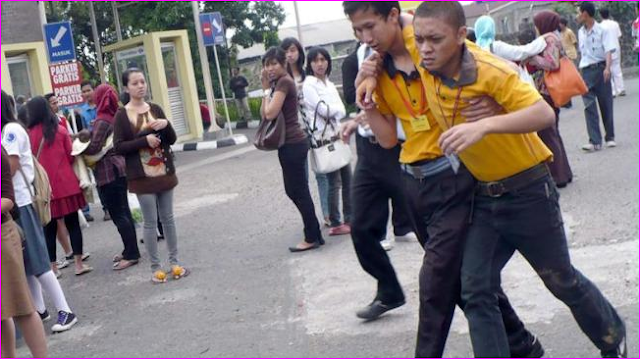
531, 119
384, 127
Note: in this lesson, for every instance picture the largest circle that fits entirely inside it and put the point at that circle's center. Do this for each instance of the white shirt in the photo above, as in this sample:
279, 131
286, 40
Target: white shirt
15, 141
613, 28
595, 44
518, 53
316, 91
363, 52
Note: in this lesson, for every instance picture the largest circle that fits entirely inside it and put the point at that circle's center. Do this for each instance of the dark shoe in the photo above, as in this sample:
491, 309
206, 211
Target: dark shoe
65, 322
376, 309
45, 316
532, 350
107, 216
316, 245
88, 217
619, 352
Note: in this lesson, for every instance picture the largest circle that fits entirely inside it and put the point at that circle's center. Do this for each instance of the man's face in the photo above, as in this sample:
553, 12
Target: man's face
53, 102
582, 16
87, 93
437, 41
235, 72
374, 30
562, 27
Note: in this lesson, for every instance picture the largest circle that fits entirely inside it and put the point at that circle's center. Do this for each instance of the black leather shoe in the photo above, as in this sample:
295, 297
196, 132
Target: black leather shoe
298, 250
376, 309
532, 350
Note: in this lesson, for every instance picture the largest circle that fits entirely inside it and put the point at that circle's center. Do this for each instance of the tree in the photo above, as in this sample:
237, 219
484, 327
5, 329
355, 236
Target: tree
251, 22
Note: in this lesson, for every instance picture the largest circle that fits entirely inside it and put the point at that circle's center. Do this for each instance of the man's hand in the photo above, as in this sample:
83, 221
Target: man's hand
371, 67
84, 136
347, 129
364, 94
607, 74
481, 107
460, 137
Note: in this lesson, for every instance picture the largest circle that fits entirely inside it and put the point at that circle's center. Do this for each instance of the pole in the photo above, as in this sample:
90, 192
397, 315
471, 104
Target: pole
295, 7
206, 73
224, 97
116, 20
96, 41
42, 13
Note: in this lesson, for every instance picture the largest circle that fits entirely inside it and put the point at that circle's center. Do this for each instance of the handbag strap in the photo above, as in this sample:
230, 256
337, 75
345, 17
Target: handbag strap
40, 148
328, 121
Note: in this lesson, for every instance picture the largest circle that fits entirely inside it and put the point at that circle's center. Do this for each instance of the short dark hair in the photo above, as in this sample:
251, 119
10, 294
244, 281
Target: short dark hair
86, 83
8, 110
127, 74
450, 11
564, 21
21, 99
588, 7
471, 34
313, 54
285, 45
604, 12
274, 53
49, 96
382, 8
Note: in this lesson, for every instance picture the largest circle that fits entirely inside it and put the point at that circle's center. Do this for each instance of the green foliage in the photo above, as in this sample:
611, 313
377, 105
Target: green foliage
252, 22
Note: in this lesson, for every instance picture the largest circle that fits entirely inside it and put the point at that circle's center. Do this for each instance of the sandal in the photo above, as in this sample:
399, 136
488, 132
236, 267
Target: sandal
124, 264
85, 269
117, 258
179, 272
159, 277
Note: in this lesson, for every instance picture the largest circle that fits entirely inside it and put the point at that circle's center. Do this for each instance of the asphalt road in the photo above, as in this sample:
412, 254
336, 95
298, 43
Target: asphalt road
248, 296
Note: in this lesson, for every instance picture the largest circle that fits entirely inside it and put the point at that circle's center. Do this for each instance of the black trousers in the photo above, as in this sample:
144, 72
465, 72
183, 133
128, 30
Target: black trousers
441, 206
114, 198
376, 181
72, 222
293, 159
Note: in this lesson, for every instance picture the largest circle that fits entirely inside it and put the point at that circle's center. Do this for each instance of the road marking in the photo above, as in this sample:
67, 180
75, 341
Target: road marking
215, 159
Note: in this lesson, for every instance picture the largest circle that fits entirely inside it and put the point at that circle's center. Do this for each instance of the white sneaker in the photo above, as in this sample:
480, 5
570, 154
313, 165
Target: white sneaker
388, 243
611, 144
591, 147
62, 263
409, 237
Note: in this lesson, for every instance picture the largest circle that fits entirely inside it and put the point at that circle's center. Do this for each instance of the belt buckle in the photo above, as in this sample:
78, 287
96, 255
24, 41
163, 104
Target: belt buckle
495, 189
373, 140
417, 172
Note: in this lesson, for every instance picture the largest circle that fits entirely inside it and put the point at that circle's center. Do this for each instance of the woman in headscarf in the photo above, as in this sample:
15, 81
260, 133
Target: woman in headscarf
485, 32
110, 174
548, 25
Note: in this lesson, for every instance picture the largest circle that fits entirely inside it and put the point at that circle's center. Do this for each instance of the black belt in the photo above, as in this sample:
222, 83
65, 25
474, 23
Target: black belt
513, 183
597, 65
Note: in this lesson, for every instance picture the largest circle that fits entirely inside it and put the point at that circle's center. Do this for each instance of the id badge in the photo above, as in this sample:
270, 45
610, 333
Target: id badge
455, 163
420, 124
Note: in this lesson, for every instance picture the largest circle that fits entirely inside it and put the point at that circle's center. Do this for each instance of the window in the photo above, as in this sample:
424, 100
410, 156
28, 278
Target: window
20, 76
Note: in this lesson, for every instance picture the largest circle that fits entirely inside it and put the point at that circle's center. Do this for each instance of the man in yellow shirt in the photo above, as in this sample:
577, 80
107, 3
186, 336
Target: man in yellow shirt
438, 192
569, 40
516, 202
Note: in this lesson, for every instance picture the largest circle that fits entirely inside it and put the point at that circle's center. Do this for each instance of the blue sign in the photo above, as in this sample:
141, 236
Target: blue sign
212, 28
59, 40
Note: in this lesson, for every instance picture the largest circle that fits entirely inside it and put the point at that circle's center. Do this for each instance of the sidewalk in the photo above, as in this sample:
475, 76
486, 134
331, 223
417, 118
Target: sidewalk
211, 145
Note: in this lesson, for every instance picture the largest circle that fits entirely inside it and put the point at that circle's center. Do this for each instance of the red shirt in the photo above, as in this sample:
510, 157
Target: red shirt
204, 111
57, 162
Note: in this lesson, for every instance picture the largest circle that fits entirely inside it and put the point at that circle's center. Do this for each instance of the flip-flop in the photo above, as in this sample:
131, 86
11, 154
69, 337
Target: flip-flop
124, 264
84, 270
185, 273
117, 258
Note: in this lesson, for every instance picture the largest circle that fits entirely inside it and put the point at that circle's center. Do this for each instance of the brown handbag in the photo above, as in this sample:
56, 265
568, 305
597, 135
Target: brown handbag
271, 134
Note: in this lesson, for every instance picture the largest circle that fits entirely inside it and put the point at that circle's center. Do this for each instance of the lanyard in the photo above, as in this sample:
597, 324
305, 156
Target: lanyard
407, 104
455, 106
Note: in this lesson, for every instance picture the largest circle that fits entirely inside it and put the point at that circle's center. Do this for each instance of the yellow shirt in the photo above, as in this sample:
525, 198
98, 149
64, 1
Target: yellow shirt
404, 99
497, 156
569, 42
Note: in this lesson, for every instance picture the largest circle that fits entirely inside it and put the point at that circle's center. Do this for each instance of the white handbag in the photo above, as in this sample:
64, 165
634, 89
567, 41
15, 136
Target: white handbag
328, 154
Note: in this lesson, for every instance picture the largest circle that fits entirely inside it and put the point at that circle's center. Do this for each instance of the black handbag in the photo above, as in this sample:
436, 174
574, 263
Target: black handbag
271, 134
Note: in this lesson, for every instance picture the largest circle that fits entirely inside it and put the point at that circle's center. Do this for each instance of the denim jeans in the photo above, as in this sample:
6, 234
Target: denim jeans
340, 179
600, 91
529, 221
323, 192
154, 206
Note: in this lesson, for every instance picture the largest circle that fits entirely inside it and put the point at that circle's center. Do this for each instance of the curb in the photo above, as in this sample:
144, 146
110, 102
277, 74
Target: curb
234, 140
244, 124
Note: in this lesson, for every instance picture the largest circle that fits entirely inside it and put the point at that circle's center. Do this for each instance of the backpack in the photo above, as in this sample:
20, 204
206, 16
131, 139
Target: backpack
41, 196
